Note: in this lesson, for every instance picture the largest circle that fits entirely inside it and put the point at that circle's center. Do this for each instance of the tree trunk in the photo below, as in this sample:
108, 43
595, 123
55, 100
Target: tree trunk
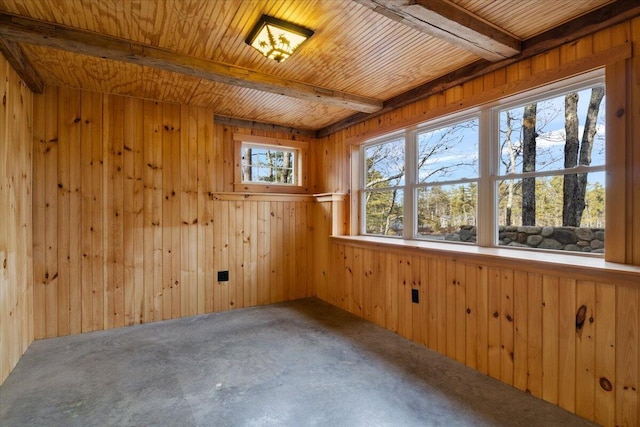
272, 177
569, 205
510, 169
586, 147
529, 164
391, 208
285, 167
246, 170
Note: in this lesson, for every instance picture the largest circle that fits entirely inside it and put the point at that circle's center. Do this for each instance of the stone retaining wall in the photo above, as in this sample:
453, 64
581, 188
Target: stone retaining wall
576, 239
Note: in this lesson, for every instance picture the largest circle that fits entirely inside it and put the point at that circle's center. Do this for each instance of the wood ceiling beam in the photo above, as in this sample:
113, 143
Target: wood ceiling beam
14, 54
606, 16
450, 23
252, 124
32, 31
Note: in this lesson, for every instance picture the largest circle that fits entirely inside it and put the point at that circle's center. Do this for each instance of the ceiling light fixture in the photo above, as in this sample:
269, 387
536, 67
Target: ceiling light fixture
275, 38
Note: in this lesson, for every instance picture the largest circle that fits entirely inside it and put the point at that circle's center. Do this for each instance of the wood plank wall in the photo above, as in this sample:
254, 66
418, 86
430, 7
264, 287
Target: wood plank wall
132, 222
570, 340
16, 260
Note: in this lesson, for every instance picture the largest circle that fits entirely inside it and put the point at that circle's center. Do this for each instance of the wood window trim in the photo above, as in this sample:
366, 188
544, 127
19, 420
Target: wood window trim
302, 153
577, 266
618, 222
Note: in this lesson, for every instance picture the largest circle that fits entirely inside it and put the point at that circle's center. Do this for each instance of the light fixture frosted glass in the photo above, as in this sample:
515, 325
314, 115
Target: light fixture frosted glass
275, 38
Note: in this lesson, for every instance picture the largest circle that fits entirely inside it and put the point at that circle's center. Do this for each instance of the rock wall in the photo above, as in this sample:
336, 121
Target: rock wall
576, 239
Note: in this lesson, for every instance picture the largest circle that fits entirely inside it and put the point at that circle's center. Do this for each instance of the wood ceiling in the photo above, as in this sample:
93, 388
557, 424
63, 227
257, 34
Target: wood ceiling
366, 56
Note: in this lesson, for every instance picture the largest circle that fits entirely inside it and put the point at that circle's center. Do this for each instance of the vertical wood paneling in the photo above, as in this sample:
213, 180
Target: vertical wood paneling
535, 306
567, 344
605, 352
494, 354
391, 292
50, 165
130, 227
585, 319
75, 212
63, 211
418, 316
506, 326
627, 356
521, 330
38, 200
482, 326
550, 339
471, 326
18, 140
97, 210
521, 327
520, 324
405, 312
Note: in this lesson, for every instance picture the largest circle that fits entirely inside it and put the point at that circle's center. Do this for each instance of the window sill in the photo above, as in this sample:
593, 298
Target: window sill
579, 267
270, 188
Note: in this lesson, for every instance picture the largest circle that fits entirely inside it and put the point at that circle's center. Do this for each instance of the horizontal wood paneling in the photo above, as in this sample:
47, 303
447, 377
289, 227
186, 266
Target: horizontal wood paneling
16, 259
133, 224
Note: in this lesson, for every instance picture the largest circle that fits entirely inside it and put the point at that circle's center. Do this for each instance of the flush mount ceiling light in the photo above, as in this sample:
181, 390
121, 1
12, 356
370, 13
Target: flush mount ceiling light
275, 38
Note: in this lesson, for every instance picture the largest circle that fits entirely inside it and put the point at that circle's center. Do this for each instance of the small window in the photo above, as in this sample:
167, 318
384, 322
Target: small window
269, 164
266, 164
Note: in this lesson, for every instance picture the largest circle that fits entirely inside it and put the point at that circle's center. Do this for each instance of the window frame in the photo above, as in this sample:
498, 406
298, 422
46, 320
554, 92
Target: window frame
300, 150
363, 193
488, 162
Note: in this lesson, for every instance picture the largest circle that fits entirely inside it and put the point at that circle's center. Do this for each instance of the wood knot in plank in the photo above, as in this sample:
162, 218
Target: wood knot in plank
581, 316
605, 384
496, 314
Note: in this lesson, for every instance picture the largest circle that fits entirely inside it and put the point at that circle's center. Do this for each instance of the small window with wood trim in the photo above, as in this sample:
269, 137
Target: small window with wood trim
269, 164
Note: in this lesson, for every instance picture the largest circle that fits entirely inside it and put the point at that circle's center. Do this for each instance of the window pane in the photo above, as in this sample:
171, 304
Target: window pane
384, 212
268, 164
448, 153
384, 164
448, 212
533, 213
554, 134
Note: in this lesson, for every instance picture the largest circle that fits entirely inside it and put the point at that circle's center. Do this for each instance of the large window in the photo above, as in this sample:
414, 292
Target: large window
551, 171
526, 172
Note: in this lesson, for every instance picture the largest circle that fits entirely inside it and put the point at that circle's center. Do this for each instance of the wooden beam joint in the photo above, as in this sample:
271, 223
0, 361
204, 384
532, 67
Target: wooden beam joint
14, 54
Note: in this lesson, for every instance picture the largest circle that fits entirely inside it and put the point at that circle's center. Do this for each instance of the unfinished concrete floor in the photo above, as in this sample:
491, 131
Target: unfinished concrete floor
292, 364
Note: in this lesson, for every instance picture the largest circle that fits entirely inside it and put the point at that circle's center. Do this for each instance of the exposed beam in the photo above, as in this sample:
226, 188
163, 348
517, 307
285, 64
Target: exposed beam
15, 56
446, 21
606, 16
31, 31
252, 124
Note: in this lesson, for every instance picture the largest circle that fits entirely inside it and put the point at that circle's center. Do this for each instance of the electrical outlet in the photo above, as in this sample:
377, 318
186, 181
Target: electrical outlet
415, 296
223, 276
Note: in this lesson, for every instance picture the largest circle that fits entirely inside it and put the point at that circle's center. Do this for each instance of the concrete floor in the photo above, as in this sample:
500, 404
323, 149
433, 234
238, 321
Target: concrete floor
292, 364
